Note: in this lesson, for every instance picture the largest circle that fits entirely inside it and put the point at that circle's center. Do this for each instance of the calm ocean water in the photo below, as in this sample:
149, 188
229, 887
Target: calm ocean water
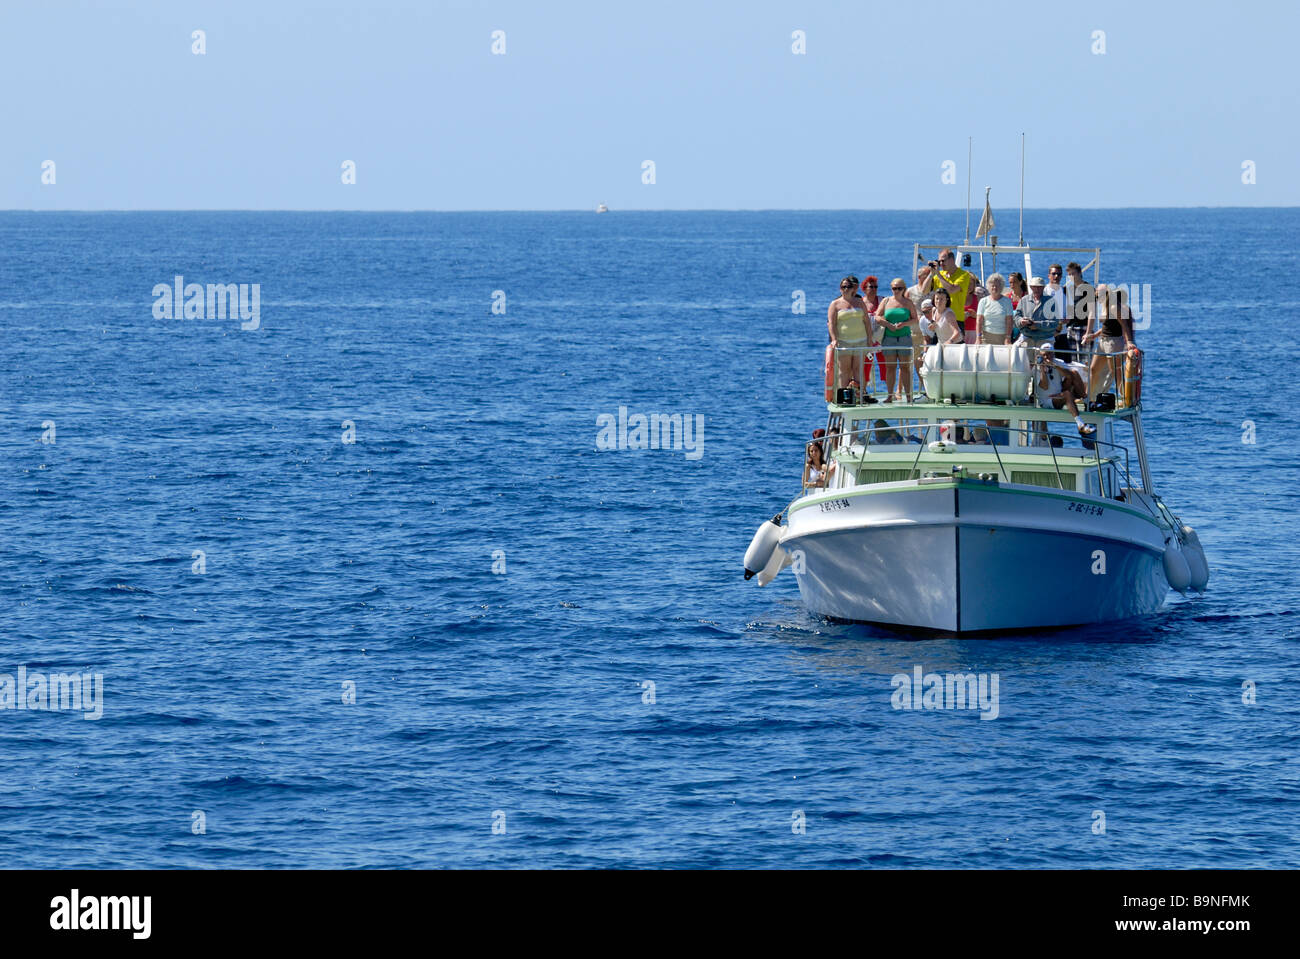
518, 697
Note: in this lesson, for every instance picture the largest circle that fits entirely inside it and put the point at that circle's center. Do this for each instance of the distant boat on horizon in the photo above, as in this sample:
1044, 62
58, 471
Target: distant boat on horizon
601, 208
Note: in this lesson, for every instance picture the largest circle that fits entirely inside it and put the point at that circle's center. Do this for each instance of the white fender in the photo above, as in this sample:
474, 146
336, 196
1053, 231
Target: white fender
1176, 569
779, 561
1198, 566
762, 545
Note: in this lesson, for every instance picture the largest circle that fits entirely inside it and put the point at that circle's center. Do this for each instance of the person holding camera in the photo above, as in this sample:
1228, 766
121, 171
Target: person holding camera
959, 284
920, 290
1057, 386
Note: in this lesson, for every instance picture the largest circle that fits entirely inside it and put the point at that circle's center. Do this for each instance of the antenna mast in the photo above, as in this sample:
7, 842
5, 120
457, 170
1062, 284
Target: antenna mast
1022, 189
968, 159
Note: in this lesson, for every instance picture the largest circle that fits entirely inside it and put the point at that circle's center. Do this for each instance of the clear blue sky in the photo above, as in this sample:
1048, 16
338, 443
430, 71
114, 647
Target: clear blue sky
711, 92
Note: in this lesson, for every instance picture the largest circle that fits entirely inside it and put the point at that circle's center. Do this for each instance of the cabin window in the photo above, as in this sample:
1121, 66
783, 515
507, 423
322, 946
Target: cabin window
891, 432
868, 476
1043, 478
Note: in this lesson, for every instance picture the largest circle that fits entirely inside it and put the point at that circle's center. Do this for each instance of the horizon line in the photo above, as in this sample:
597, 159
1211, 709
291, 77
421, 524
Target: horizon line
774, 209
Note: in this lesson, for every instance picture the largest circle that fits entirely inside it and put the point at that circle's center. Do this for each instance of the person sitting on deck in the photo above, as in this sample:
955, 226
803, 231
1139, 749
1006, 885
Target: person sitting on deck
998, 432
886, 435
1057, 386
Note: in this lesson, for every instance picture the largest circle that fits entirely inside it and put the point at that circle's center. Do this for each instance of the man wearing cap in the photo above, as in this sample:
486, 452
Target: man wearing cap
1056, 386
928, 332
925, 334
1033, 320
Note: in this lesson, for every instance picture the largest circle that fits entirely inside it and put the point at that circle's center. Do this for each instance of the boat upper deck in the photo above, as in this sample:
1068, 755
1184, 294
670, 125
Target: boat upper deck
1041, 403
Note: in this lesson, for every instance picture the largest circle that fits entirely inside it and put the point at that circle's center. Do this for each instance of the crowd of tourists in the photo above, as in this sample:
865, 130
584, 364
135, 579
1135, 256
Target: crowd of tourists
887, 335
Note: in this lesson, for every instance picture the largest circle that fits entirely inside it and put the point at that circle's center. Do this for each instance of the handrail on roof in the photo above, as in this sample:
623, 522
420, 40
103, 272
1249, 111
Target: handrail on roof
994, 249
863, 356
1004, 248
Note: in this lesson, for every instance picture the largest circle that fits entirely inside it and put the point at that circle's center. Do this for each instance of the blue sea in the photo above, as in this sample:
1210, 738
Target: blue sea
363, 592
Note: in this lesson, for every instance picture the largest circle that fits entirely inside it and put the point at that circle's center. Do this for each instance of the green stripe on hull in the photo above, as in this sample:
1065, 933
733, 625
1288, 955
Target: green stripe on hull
987, 487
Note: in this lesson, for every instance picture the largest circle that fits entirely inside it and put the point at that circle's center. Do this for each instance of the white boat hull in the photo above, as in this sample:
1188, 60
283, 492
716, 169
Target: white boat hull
965, 556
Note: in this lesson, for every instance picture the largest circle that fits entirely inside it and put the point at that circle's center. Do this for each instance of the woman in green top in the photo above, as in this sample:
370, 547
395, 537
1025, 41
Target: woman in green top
897, 317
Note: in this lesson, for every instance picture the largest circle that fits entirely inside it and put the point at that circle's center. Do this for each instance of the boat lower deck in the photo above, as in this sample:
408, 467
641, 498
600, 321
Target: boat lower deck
968, 557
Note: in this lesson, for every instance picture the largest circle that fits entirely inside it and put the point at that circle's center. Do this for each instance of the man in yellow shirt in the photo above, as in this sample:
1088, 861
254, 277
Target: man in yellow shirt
956, 281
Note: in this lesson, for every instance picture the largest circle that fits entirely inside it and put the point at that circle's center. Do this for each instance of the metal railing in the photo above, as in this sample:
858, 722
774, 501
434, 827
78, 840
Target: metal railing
864, 360
907, 434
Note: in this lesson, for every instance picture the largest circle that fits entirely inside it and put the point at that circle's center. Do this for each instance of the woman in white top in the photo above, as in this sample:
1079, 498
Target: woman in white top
817, 469
994, 314
945, 320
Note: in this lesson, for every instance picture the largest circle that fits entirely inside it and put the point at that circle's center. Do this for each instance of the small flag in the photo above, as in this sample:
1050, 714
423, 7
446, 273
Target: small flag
986, 221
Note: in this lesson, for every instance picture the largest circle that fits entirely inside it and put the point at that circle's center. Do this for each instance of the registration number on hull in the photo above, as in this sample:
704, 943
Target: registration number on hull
1084, 508
830, 506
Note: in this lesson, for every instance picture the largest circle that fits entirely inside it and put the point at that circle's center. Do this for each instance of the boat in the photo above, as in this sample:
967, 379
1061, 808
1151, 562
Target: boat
601, 208
971, 509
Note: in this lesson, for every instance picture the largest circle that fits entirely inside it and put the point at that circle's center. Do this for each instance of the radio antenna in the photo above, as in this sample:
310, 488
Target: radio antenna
969, 152
1022, 189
